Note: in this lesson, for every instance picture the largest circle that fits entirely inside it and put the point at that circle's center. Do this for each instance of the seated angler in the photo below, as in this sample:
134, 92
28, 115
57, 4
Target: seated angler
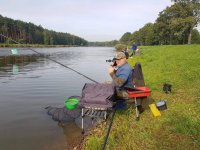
122, 76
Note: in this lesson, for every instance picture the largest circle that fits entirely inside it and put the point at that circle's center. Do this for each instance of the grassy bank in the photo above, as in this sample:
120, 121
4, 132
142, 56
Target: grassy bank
179, 125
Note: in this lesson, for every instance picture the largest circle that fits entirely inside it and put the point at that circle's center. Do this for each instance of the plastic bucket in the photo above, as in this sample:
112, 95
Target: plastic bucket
161, 105
71, 103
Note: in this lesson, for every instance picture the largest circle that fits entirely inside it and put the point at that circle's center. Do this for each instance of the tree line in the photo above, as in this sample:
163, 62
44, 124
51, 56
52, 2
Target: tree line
104, 44
28, 33
174, 25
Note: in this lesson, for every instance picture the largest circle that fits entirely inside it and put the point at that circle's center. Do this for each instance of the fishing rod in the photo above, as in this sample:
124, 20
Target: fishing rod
109, 128
51, 59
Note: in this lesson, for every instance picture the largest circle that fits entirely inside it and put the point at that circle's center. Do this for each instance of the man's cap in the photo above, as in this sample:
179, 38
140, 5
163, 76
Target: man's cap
126, 53
119, 55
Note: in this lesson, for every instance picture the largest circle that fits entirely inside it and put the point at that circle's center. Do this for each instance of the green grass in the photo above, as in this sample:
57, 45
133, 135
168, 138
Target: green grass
179, 125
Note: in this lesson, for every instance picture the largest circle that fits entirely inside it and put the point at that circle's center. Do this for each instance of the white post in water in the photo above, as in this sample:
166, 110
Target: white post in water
82, 121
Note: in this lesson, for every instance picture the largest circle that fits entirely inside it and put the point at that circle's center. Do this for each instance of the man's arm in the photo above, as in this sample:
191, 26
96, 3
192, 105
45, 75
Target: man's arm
118, 81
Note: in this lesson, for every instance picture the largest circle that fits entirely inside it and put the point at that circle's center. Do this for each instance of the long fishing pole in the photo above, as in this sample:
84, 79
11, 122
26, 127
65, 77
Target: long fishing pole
52, 60
109, 128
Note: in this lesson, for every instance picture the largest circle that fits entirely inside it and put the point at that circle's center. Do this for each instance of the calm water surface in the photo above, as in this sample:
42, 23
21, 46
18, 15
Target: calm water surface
30, 83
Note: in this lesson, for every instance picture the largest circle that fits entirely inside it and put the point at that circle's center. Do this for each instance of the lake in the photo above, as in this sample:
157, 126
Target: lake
29, 83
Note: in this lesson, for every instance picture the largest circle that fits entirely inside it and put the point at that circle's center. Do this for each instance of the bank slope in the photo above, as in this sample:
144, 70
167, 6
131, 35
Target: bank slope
179, 125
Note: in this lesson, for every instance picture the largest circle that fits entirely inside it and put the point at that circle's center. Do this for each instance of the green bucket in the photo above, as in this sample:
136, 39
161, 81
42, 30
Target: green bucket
71, 103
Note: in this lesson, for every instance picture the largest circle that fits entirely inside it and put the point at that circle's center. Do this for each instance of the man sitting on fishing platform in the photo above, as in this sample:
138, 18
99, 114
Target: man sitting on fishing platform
122, 76
99, 97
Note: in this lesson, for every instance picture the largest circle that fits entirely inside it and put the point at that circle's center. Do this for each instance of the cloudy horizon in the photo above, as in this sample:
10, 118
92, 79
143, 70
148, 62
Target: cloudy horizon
94, 21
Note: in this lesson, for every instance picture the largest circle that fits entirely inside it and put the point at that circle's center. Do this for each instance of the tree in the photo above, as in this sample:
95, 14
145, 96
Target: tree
185, 14
145, 35
29, 33
125, 38
135, 38
195, 37
175, 24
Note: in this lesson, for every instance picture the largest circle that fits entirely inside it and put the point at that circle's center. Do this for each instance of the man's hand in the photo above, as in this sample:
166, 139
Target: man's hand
111, 70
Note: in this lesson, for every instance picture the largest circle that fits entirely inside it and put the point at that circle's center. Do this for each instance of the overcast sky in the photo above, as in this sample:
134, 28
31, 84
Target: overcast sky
93, 20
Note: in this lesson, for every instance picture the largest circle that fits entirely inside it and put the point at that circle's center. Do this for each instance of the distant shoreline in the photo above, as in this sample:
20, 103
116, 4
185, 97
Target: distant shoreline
35, 45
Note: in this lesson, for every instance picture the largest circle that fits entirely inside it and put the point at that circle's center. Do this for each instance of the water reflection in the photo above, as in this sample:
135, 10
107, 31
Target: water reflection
72, 134
14, 65
15, 69
11, 64
31, 82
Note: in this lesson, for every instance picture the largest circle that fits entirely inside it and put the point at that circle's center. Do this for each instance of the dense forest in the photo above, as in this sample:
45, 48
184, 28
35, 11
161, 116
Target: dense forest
175, 25
28, 33
106, 43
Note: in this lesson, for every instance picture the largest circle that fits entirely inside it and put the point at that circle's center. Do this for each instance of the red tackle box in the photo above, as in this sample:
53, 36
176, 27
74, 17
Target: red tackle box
139, 92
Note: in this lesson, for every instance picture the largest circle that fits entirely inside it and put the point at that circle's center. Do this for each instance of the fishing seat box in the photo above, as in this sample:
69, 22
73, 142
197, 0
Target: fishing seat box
139, 92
